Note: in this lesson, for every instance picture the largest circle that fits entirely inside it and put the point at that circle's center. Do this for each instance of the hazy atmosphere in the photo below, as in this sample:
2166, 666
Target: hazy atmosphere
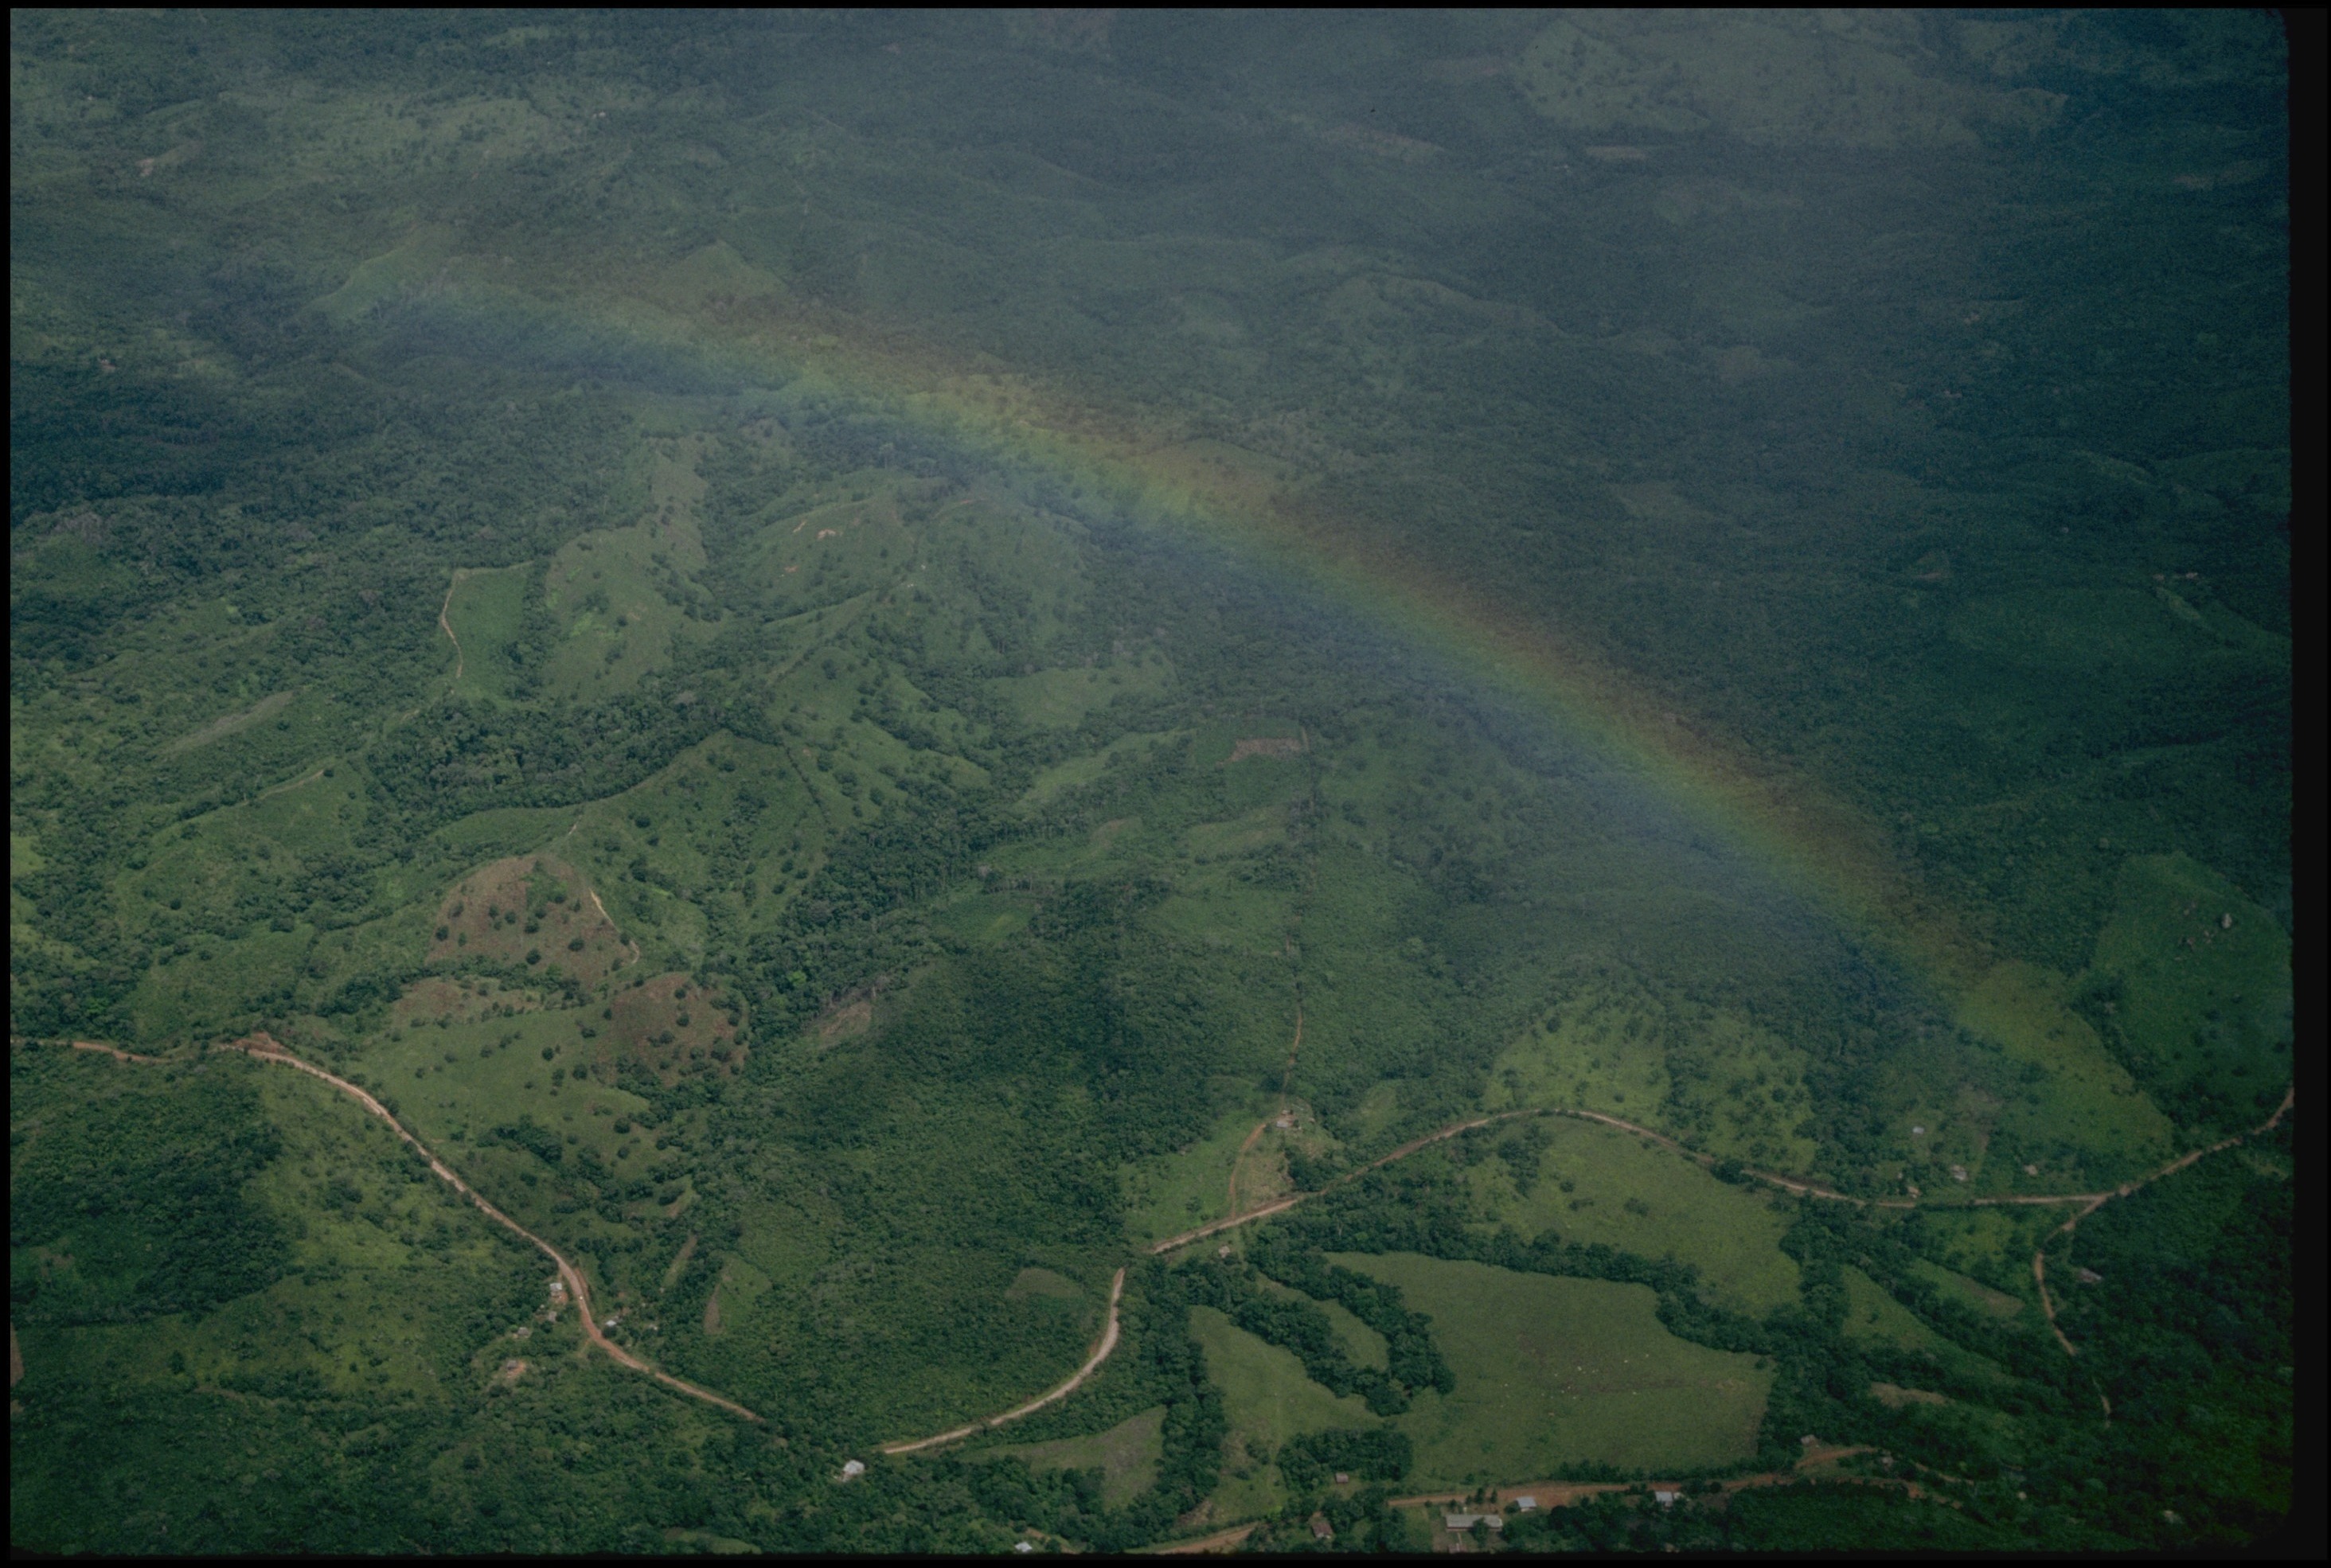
1089, 780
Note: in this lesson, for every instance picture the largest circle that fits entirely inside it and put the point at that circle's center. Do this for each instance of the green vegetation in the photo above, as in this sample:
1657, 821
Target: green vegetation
1127, 1456
835, 652
1267, 1401
1557, 1373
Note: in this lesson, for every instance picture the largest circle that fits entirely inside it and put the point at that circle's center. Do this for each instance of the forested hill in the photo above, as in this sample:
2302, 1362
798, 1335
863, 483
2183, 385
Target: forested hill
866, 664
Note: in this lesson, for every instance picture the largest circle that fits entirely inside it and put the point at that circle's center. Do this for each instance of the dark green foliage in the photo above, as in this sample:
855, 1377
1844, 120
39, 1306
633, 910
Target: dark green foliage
1413, 1359
136, 1193
1310, 1461
535, 1139
1797, 1519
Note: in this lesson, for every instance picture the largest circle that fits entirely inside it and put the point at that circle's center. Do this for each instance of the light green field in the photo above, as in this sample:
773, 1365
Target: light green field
1597, 1183
1994, 1245
984, 919
1267, 1400
1126, 1455
1180, 1192
1079, 771
1973, 1293
1553, 1370
487, 1082
2088, 1110
1362, 1344
1591, 1059
484, 611
1058, 698
1873, 1314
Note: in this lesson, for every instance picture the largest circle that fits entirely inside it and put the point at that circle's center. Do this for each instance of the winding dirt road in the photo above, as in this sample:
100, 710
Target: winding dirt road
1100, 1351
1286, 1108
264, 1047
2093, 1202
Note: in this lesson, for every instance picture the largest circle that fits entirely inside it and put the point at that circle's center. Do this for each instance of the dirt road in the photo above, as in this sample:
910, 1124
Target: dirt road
264, 1047
1220, 1541
2091, 1203
1280, 1205
1286, 1106
267, 1049
446, 625
1101, 1353
115, 1051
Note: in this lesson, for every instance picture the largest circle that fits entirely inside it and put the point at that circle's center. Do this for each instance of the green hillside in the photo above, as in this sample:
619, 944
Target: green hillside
876, 672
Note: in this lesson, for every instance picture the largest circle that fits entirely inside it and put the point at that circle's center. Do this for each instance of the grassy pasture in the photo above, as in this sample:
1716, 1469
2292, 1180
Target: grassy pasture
2088, 1113
486, 610
1267, 1400
1597, 1183
1552, 1371
1061, 698
499, 1073
1174, 1192
530, 911
1973, 1293
1126, 1455
1994, 1246
1364, 1345
1079, 770
1600, 1050
1871, 1313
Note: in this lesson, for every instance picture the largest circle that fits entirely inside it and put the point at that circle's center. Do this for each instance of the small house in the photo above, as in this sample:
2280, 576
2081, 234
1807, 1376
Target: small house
853, 1468
1665, 1499
1460, 1523
1526, 1505
1342, 1477
1808, 1441
1022, 1546
1320, 1529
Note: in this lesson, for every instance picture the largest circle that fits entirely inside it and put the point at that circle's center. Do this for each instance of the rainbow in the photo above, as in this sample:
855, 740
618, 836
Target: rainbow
1810, 842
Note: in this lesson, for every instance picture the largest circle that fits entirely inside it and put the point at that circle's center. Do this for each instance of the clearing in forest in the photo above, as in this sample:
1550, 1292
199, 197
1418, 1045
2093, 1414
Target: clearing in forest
1553, 1372
534, 911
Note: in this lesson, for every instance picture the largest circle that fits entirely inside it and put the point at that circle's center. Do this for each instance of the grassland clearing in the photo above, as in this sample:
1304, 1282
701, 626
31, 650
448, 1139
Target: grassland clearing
1588, 1061
671, 1025
2088, 1111
265, 709
485, 611
1267, 1400
1170, 1193
530, 911
1871, 1313
1126, 1455
1596, 1183
1555, 1371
